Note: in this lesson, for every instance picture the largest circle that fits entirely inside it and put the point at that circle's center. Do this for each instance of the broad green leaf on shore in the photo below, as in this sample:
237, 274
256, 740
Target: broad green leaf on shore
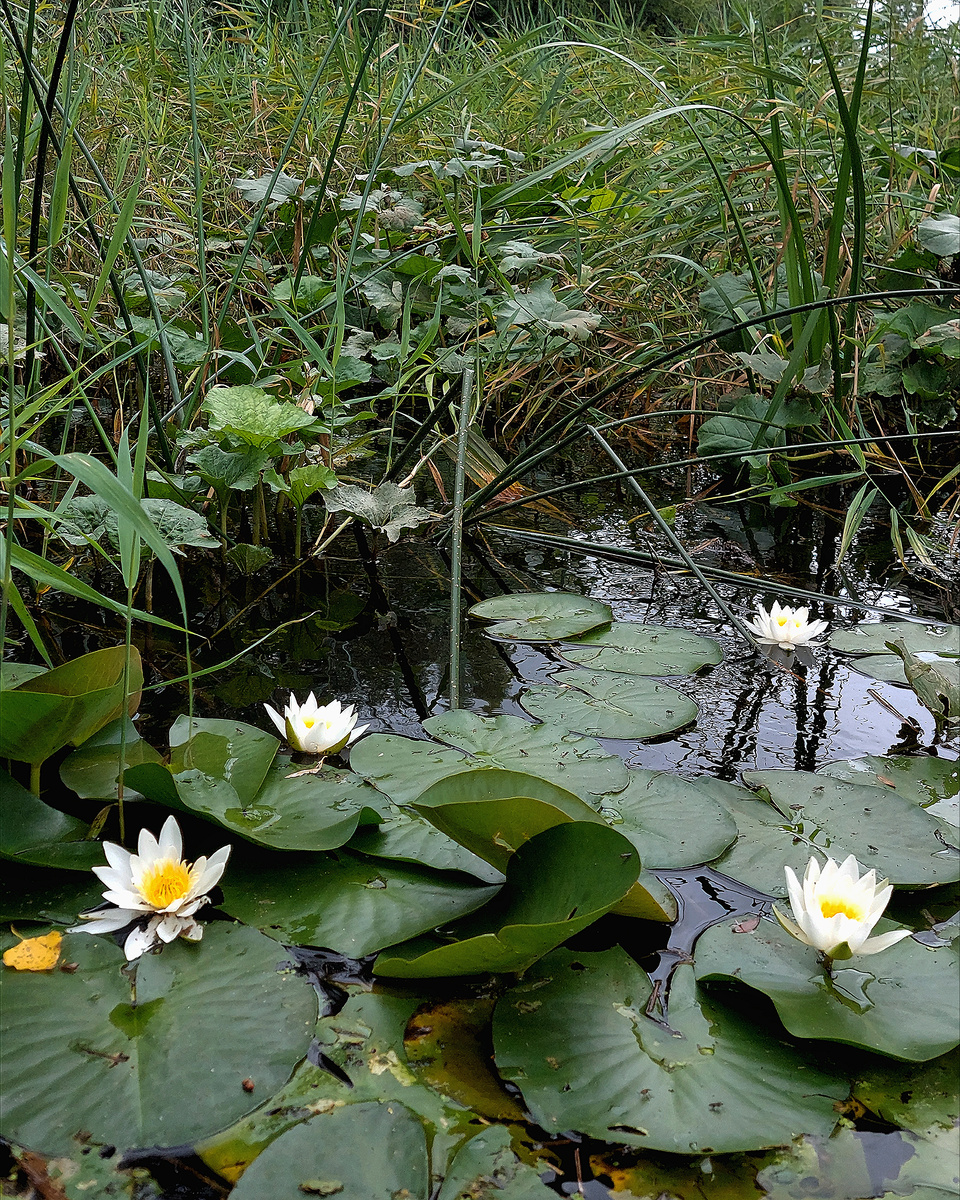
635, 649
579, 764
574, 1037
672, 821
388, 507
542, 616
253, 415
606, 705
901, 1002
81, 1054
933, 783
68, 704
542, 903
372, 1151
33, 832
344, 902
798, 814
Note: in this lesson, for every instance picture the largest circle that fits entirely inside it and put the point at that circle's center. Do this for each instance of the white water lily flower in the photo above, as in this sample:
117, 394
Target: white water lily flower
835, 909
316, 728
785, 627
157, 884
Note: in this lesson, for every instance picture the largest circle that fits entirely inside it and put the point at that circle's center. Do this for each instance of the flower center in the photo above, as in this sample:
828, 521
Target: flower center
831, 905
308, 722
164, 881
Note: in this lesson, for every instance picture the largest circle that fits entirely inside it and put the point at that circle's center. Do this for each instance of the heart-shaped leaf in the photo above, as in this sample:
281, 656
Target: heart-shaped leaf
93, 770
81, 1054
574, 1037
541, 905
603, 704
892, 1002
345, 902
542, 616
643, 650
872, 638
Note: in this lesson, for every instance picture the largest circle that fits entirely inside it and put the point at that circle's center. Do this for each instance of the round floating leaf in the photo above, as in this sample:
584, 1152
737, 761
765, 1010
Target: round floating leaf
67, 705
542, 904
579, 764
402, 768
27, 894
643, 650
612, 706
80, 1054
33, 832
872, 638
361, 1152
345, 902
237, 754
405, 837
486, 1168
901, 1002
672, 821
575, 1039
799, 814
915, 1098
933, 783
888, 668
316, 811
542, 616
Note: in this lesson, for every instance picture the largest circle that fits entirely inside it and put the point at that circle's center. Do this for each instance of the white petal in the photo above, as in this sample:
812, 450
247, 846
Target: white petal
211, 873
882, 941
126, 899
147, 849
112, 877
171, 840
356, 733
117, 857
141, 940
169, 927
279, 721
106, 922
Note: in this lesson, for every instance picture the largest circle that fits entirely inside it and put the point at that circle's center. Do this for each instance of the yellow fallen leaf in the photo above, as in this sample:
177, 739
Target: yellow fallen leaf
34, 954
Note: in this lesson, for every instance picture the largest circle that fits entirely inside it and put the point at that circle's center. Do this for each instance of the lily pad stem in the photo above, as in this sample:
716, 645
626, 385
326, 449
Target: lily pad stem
35, 778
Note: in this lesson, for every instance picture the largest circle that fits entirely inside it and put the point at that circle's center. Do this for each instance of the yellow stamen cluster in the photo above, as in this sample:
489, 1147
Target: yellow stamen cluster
830, 906
166, 880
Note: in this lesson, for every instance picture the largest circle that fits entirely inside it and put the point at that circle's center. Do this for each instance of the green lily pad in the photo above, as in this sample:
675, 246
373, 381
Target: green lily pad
493, 813
573, 1036
67, 705
933, 783
542, 904
896, 1002
872, 638
364, 1152
405, 837
403, 768
579, 764
345, 902
888, 668
542, 616
634, 649
79, 1053
672, 821
798, 814
914, 1097
486, 1168
603, 704
93, 770
33, 832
